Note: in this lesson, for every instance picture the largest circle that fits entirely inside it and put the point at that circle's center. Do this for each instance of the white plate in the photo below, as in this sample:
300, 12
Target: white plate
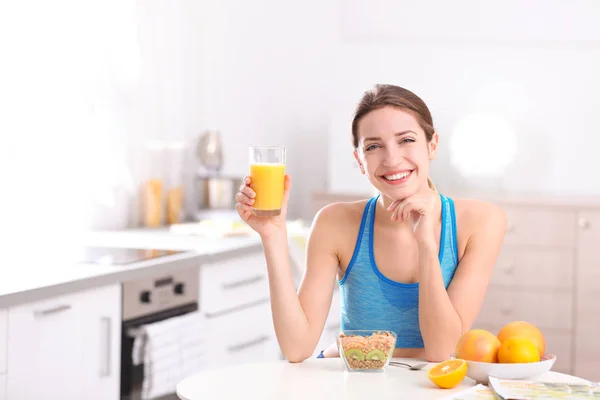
481, 371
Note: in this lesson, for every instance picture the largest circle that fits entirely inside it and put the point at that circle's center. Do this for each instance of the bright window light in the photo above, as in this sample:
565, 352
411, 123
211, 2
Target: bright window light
482, 144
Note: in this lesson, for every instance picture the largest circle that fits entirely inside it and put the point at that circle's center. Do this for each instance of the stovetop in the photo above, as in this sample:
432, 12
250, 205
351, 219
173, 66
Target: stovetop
120, 256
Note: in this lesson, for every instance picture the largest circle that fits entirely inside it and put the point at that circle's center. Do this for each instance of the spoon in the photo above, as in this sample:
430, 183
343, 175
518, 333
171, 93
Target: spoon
415, 367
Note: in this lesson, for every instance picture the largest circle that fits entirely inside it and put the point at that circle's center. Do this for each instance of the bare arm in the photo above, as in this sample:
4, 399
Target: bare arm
299, 317
445, 315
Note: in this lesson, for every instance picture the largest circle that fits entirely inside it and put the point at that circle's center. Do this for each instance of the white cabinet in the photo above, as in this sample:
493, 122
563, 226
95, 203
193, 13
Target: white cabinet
3, 347
101, 326
3, 387
234, 296
65, 347
3, 340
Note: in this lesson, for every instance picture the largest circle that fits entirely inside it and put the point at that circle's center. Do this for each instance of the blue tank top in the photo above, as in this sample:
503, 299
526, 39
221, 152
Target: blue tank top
369, 300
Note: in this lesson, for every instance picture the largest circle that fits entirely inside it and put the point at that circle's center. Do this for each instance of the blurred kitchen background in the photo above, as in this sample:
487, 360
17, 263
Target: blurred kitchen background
110, 94
127, 123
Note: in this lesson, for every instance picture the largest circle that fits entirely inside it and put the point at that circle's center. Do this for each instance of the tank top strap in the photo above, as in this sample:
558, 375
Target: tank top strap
367, 226
361, 248
449, 227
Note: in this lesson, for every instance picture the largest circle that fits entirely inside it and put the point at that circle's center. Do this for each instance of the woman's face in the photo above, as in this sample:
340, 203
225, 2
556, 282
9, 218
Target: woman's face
393, 152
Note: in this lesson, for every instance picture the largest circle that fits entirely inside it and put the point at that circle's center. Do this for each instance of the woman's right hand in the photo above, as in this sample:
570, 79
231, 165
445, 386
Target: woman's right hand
264, 226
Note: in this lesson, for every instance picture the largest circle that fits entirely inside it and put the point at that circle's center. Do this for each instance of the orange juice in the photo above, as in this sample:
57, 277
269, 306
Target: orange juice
267, 182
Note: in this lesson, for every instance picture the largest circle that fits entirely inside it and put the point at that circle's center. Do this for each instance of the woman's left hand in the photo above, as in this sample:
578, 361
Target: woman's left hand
419, 208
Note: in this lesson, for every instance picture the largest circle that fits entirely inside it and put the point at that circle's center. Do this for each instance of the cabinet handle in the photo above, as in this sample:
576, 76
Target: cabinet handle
506, 311
105, 346
54, 310
510, 227
583, 223
242, 282
509, 269
241, 346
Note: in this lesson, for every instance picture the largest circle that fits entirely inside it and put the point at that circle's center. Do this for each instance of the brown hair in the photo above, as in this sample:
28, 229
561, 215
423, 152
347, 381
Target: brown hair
392, 96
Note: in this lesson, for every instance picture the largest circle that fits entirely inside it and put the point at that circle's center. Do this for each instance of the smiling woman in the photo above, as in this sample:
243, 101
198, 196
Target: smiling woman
408, 260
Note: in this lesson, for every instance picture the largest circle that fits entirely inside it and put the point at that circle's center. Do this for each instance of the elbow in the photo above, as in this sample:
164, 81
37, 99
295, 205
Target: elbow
296, 356
438, 355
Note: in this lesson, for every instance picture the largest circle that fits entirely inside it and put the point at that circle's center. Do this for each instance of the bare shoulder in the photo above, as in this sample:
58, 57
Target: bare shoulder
338, 216
476, 215
336, 226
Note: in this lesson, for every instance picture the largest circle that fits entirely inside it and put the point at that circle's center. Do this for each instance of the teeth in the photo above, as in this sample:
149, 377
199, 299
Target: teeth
395, 177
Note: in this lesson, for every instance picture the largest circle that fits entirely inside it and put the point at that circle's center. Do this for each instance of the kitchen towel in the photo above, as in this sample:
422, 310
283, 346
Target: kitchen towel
171, 350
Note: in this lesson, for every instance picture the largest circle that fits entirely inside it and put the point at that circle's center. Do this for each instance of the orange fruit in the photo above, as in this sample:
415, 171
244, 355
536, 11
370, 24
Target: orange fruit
448, 374
478, 345
518, 350
524, 330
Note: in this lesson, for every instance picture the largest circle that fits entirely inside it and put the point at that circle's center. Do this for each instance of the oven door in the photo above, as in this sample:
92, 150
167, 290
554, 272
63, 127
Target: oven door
132, 376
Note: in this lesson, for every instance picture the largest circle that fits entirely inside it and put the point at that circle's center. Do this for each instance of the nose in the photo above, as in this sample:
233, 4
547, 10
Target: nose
393, 157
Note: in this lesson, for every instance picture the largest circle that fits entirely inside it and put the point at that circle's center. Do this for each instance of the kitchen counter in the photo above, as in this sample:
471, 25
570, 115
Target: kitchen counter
45, 277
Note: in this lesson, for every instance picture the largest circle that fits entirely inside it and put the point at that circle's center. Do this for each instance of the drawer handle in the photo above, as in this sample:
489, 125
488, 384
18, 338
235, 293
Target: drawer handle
583, 223
510, 227
510, 269
243, 282
505, 311
105, 353
241, 346
54, 310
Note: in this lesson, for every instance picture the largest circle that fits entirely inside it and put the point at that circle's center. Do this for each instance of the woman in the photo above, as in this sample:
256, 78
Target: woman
408, 260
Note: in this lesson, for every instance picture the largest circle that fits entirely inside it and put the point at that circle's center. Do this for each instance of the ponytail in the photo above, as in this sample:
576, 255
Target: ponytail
431, 184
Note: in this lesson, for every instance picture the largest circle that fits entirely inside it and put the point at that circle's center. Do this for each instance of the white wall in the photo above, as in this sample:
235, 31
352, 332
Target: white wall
543, 84
293, 74
269, 81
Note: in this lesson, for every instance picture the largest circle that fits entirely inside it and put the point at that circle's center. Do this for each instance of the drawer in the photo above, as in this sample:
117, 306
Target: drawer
588, 266
587, 346
546, 268
3, 339
545, 309
535, 227
557, 343
240, 334
3, 387
588, 369
233, 282
588, 313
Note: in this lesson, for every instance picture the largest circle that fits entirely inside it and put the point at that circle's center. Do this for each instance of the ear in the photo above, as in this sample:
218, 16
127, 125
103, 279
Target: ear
433, 145
357, 158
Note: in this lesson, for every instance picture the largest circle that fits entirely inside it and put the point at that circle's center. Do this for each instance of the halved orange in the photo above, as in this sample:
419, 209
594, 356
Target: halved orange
448, 374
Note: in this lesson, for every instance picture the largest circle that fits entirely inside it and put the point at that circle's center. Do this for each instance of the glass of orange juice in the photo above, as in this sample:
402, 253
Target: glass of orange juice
267, 172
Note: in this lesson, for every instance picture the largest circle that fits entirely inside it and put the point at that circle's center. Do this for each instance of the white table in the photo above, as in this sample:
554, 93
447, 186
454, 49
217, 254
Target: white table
317, 379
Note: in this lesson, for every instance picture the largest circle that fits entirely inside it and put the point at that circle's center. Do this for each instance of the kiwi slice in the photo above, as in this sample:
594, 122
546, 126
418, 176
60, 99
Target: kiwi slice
376, 355
356, 354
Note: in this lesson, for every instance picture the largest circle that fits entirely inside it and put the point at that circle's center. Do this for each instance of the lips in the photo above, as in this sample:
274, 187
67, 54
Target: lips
396, 177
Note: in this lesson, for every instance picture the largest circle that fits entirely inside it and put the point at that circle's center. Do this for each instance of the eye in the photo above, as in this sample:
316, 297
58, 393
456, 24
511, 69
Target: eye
407, 140
371, 147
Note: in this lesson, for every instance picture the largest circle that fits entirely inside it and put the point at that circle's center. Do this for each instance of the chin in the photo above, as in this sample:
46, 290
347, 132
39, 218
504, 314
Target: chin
397, 193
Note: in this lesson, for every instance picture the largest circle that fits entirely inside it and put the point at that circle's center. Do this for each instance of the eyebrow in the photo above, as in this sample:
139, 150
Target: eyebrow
395, 134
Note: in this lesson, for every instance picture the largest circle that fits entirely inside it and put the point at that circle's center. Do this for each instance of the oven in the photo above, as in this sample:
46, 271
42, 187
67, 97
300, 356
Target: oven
149, 300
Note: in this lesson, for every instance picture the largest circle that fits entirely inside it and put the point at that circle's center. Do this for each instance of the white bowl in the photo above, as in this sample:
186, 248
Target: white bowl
481, 371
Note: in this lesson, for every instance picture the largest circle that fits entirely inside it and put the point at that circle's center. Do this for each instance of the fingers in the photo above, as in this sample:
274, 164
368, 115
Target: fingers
243, 198
402, 210
287, 186
243, 210
246, 189
245, 195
